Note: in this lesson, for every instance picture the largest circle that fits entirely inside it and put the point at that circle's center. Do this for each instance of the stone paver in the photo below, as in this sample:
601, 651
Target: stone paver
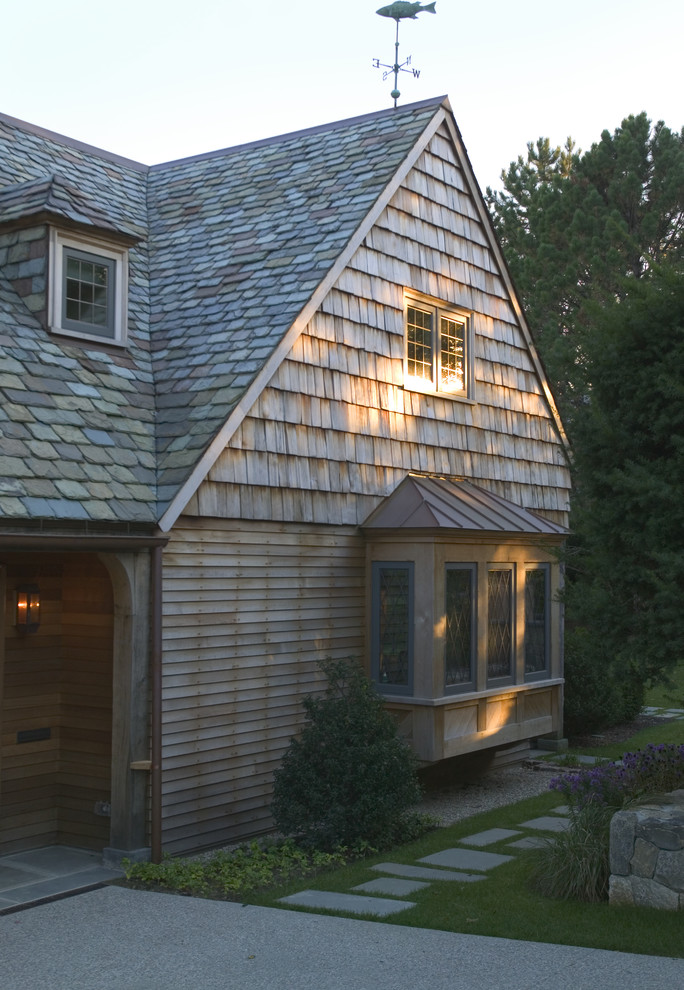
393, 886
529, 842
424, 873
466, 859
547, 824
331, 900
488, 837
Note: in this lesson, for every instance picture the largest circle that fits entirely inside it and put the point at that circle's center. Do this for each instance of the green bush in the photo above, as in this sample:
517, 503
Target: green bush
574, 865
599, 691
228, 873
348, 777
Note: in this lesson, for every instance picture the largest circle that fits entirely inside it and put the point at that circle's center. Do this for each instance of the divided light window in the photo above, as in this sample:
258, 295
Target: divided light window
460, 626
537, 579
436, 348
500, 624
88, 297
392, 627
88, 288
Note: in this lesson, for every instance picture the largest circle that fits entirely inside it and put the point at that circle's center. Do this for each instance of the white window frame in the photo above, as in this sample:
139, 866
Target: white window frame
437, 311
97, 248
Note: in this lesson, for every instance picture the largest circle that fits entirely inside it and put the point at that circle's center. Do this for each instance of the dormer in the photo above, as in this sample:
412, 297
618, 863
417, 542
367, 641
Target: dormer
66, 260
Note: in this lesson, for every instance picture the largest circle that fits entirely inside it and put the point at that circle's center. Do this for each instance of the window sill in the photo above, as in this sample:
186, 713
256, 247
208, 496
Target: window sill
454, 396
457, 699
88, 338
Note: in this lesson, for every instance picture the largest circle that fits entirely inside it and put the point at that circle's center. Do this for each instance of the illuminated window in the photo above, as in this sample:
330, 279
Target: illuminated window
436, 349
392, 631
88, 288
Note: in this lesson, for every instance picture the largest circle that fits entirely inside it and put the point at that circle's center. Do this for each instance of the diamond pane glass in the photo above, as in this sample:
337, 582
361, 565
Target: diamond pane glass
499, 625
394, 625
452, 355
535, 620
459, 626
419, 343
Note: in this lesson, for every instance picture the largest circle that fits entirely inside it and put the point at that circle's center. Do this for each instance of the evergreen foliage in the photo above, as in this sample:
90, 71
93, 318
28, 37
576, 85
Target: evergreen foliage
595, 244
348, 777
575, 226
625, 601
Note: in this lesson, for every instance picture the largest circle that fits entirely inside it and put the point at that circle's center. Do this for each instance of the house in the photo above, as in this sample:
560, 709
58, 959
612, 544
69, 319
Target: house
259, 406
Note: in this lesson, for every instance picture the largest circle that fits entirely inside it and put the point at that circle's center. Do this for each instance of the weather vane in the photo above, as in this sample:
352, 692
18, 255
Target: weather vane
399, 11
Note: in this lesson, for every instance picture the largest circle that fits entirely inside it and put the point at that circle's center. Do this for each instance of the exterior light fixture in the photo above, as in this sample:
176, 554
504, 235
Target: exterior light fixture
28, 608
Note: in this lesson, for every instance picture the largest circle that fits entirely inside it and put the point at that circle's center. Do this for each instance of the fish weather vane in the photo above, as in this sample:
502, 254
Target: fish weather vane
399, 11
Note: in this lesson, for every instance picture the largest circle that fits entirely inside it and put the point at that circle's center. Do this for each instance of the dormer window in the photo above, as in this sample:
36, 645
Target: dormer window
88, 288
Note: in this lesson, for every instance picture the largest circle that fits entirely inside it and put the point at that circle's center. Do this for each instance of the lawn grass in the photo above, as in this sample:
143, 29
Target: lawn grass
668, 696
667, 732
504, 904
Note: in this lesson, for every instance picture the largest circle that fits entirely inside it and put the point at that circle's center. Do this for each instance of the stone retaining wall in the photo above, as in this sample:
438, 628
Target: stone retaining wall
647, 854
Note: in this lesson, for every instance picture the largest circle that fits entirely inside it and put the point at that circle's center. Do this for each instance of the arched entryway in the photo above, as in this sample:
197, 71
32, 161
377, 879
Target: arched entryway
56, 704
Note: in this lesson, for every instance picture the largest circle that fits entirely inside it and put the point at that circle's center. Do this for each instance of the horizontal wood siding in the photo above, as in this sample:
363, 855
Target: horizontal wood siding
335, 430
248, 610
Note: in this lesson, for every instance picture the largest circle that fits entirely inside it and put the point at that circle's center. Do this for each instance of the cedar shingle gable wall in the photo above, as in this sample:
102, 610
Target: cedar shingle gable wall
76, 422
240, 241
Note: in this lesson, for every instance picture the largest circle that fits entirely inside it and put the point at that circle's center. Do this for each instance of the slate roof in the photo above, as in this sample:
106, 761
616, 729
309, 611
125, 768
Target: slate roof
76, 422
446, 503
240, 241
232, 246
52, 198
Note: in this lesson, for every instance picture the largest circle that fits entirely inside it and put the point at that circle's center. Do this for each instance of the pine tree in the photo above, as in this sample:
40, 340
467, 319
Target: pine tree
575, 226
626, 607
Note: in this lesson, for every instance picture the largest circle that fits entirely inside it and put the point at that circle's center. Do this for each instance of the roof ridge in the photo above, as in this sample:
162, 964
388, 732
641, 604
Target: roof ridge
436, 101
91, 149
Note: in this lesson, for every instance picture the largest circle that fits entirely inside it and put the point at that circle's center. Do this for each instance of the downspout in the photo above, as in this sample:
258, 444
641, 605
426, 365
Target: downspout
156, 683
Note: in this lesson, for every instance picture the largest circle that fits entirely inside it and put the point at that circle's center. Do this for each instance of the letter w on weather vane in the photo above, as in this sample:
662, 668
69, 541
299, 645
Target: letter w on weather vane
399, 11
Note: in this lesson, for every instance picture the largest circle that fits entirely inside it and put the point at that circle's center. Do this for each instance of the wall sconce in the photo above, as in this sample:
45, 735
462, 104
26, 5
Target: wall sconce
28, 608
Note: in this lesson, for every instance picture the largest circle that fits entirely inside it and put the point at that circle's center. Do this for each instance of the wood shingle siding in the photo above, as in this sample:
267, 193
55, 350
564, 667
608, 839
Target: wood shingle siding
249, 609
334, 432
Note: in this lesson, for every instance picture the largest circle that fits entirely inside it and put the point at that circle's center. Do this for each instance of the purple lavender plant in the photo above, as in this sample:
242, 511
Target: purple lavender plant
655, 769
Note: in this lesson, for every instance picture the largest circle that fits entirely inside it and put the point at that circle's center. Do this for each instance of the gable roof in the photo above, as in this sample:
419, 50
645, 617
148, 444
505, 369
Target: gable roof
241, 241
238, 248
445, 503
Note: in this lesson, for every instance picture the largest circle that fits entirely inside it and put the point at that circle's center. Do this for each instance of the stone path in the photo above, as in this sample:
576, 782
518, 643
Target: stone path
667, 713
466, 862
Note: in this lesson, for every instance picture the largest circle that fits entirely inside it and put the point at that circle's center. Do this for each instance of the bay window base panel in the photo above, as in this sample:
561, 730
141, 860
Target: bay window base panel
441, 732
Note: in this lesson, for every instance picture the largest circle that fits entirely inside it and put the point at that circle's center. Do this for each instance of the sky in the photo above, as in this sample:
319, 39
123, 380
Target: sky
156, 80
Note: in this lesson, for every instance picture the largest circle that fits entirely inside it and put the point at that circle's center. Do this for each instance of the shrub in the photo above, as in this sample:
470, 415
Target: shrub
655, 769
598, 692
228, 873
576, 864
348, 777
